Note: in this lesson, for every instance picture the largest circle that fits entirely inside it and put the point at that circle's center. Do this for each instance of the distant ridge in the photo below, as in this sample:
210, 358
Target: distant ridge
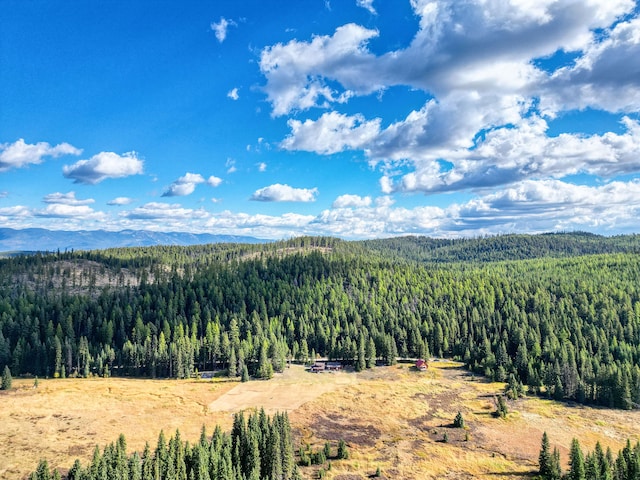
40, 239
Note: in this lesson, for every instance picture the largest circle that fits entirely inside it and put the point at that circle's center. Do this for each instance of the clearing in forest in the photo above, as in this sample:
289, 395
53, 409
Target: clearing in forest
393, 418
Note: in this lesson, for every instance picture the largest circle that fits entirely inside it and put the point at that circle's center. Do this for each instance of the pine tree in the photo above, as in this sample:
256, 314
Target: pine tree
265, 368
42, 472
371, 353
458, 422
343, 452
76, 472
501, 407
576, 462
232, 363
545, 459
7, 379
361, 362
556, 470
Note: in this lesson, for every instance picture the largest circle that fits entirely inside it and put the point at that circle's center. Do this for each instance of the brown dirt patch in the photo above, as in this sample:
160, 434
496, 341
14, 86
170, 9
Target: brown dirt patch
287, 391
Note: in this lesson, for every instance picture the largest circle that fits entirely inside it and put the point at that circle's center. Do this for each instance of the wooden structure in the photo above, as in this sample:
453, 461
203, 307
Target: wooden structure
319, 367
422, 365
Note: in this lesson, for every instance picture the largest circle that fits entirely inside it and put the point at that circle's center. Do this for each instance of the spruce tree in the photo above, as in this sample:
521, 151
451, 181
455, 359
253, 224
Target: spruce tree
343, 452
545, 459
7, 379
458, 422
576, 462
233, 363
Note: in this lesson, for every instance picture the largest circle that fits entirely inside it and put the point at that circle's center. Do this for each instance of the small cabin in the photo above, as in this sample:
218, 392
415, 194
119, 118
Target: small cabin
334, 366
421, 365
317, 367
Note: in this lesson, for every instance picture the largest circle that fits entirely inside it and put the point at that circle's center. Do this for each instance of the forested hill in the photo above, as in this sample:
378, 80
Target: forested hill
567, 326
502, 247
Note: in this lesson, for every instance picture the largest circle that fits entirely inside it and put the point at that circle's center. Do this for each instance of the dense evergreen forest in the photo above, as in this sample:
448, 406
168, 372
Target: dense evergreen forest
565, 320
596, 465
259, 448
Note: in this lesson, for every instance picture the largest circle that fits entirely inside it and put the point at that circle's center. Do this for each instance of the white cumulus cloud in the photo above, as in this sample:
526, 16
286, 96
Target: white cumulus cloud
333, 132
102, 166
20, 154
214, 181
284, 193
347, 201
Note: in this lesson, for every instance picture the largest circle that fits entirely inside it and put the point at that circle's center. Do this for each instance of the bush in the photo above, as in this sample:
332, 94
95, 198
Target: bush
458, 422
343, 453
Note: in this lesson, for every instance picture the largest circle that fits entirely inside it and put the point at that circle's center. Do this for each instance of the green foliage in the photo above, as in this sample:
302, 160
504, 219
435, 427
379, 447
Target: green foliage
501, 407
257, 448
596, 465
548, 461
343, 451
567, 326
458, 422
576, 462
7, 379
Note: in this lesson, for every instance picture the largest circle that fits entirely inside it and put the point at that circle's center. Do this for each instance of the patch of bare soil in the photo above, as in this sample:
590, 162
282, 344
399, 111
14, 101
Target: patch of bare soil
285, 392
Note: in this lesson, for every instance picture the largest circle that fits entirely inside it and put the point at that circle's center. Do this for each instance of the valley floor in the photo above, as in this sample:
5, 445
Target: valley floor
392, 418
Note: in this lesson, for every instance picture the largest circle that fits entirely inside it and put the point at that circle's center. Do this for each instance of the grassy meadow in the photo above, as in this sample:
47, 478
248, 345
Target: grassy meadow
392, 418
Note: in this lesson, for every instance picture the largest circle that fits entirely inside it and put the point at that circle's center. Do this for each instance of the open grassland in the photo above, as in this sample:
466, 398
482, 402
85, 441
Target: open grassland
392, 418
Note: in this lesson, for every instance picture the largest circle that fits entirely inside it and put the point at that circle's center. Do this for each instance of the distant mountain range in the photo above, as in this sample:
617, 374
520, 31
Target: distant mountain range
39, 239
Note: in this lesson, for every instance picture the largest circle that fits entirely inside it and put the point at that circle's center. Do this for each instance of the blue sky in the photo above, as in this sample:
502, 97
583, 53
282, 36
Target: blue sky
350, 118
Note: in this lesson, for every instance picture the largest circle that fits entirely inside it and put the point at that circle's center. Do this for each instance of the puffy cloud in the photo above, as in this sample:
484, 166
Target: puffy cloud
120, 201
538, 206
66, 199
508, 155
16, 211
102, 166
284, 193
185, 185
491, 72
331, 133
295, 71
606, 76
220, 28
77, 212
347, 201
20, 154
214, 181
233, 94
230, 164
262, 167
486, 47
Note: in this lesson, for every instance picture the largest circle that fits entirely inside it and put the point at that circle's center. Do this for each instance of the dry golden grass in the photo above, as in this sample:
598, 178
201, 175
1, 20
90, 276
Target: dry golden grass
393, 418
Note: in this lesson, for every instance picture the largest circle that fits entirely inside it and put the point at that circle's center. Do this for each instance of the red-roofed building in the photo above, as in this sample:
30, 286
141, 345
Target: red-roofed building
421, 365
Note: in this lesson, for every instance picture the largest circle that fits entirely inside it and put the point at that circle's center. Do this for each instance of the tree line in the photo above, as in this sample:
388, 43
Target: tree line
257, 448
596, 465
566, 327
